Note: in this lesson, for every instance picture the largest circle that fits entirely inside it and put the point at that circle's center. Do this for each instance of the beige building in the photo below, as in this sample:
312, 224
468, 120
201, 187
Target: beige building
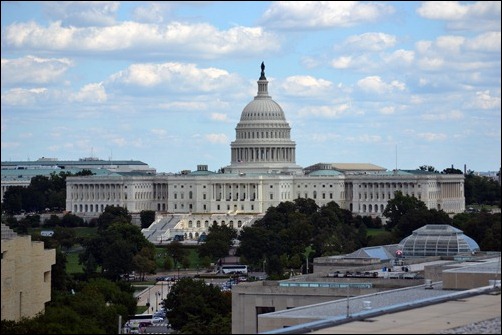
26, 275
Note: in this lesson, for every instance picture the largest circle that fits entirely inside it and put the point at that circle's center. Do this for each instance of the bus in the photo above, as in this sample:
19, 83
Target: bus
234, 269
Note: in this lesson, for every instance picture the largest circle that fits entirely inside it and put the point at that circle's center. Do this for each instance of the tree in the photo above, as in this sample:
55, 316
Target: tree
116, 244
481, 190
113, 214
428, 168
59, 277
218, 241
53, 221
65, 237
72, 220
91, 309
417, 218
144, 262
482, 227
176, 251
13, 199
287, 229
193, 307
147, 218
452, 171
399, 206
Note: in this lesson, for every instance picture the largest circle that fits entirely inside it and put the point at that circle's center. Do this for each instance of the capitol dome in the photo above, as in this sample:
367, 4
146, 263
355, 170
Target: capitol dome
262, 109
263, 137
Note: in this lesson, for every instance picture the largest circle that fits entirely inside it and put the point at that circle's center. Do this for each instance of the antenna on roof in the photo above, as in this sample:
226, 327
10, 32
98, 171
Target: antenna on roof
395, 171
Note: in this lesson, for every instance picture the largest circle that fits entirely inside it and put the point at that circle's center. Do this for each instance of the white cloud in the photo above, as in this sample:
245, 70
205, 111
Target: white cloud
432, 137
323, 14
184, 106
387, 110
22, 96
365, 138
444, 116
458, 54
329, 112
195, 40
431, 63
82, 13
10, 145
159, 133
462, 14
369, 42
178, 77
342, 62
450, 44
153, 12
484, 100
217, 138
489, 41
311, 62
122, 142
325, 137
306, 86
399, 57
219, 117
442, 10
357, 61
33, 70
91, 93
377, 85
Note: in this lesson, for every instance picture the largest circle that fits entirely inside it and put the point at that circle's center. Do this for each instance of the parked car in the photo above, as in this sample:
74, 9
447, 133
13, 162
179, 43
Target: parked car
157, 319
164, 278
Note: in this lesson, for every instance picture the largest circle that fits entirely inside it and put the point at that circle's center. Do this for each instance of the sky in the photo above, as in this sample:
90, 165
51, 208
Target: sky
396, 84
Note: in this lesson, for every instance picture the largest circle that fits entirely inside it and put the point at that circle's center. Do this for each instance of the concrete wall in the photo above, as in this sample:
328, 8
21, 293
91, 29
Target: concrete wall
466, 280
250, 299
26, 277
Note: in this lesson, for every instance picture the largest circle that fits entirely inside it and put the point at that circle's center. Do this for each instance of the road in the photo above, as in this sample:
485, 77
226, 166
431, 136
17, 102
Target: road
153, 295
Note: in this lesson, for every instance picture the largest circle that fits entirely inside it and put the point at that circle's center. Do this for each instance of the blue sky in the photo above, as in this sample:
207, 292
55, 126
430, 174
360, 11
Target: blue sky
400, 84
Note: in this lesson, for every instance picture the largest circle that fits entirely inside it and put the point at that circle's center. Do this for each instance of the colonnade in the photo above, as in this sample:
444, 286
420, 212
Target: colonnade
261, 155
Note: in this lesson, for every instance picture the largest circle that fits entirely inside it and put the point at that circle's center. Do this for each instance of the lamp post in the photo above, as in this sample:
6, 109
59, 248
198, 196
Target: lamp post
348, 306
178, 272
148, 298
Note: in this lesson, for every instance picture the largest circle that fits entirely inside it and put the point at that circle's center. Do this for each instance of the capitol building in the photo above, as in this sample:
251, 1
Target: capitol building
262, 173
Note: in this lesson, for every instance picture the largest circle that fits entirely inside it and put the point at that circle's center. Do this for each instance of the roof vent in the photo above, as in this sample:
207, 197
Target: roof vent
428, 284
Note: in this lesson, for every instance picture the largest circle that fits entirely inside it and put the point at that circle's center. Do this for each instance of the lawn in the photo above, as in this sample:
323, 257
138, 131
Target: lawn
375, 231
193, 256
85, 231
72, 265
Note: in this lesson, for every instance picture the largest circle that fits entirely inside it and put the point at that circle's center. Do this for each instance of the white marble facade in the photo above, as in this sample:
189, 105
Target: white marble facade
263, 173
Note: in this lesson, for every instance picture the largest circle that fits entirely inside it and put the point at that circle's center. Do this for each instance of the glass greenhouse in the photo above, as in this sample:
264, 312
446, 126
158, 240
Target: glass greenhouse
437, 240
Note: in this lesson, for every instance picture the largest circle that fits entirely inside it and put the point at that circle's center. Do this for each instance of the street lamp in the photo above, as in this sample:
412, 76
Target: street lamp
178, 272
